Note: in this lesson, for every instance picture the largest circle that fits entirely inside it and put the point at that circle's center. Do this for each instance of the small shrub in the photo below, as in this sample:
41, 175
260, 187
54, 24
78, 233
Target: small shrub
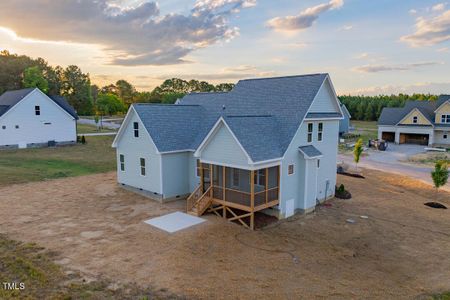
342, 193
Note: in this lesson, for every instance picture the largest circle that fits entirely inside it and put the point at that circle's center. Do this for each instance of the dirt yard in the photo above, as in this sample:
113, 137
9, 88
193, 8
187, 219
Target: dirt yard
400, 252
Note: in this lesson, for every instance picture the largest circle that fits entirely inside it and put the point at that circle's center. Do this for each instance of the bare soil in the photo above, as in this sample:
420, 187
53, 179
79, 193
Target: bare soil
401, 251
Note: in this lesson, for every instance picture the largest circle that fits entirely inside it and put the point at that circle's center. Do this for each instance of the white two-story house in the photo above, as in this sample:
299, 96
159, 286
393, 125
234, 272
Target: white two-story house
269, 144
30, 118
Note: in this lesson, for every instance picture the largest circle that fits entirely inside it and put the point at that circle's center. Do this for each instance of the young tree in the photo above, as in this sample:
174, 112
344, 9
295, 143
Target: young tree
33, 77
440, 174
357, 152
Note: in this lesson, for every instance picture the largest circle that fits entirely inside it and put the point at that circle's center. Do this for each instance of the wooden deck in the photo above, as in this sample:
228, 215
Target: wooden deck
225, 201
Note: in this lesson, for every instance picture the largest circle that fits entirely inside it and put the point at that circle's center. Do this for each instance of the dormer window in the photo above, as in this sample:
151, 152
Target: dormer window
415, 119
37, 110
445, 119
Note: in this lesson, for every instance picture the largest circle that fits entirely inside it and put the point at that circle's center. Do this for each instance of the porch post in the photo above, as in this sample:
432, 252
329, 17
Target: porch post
224, 212
211, 180
252, 199
278, 182
267, 185
201, 177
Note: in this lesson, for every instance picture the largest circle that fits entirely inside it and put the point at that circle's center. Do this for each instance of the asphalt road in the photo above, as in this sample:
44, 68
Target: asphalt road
391, 161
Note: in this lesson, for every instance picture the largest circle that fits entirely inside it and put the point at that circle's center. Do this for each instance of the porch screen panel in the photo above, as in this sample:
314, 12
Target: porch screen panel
237, 186
260, 186
218, 182
273, 183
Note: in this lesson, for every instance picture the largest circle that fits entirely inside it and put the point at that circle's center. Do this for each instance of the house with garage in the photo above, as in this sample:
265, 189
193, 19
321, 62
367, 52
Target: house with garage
418, 122
268, 145
30, 118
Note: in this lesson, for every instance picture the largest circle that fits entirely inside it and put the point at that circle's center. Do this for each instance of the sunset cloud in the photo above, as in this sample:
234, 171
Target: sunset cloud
430, 31
384, 68
305, 19
130, 36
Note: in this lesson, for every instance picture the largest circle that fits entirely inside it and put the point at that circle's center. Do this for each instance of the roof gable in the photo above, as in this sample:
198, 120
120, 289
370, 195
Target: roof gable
393, 115
421, 118
10, 99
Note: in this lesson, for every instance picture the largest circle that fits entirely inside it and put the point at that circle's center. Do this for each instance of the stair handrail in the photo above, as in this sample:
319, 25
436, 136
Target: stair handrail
192, 199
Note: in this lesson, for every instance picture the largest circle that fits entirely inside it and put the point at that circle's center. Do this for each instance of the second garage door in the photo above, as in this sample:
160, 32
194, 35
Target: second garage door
412, 138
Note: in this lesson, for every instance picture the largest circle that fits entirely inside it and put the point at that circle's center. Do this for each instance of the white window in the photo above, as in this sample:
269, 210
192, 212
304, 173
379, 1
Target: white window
310, 132
445, 119
17, 126
37, 110
318, 163
122, 162
136, 129
290, 169
445, 136
415, 119
3, 127
320, 132
143, 166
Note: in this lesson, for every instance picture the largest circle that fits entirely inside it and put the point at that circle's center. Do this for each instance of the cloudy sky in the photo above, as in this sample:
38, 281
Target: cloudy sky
368, 47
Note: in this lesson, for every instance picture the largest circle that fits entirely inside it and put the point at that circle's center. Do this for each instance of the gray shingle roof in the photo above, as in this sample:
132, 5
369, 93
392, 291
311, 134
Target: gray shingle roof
393, 115
62, 102
10, 98
442, 99
264, 114
310, 151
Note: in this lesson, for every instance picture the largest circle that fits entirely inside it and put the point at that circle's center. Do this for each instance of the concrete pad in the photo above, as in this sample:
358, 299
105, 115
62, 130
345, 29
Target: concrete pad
174, 222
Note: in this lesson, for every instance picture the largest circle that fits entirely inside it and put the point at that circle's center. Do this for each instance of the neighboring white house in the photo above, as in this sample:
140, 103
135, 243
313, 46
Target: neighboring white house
269, 144
418, 122
30, 118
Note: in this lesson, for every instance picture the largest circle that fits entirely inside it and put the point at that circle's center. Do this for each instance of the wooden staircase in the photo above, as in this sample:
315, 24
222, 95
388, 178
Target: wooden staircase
197, 203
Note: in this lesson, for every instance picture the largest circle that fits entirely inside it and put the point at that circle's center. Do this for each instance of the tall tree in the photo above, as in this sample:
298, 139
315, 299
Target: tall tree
126, 91
33, 77
109, 104
76, 87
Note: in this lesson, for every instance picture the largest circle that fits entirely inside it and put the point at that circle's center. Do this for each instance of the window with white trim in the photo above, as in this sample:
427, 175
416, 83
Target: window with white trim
310, 132
143, 166
318, 163
291, 169
445, 119
122, 162
136, 129
37, 110
320, 132
444, 136
415, 119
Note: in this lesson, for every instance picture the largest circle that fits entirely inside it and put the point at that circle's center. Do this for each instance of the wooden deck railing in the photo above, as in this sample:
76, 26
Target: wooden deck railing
190, 201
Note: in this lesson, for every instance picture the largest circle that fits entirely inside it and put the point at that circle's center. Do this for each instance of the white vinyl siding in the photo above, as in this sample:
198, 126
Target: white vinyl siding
222, 148
21, 125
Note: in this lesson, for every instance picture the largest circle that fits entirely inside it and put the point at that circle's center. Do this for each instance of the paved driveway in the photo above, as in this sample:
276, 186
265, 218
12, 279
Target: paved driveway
393, 161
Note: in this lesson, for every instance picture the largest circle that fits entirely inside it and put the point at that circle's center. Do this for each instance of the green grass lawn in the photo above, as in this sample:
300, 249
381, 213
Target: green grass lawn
86, 128
367, 130
24, 165
33, 266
